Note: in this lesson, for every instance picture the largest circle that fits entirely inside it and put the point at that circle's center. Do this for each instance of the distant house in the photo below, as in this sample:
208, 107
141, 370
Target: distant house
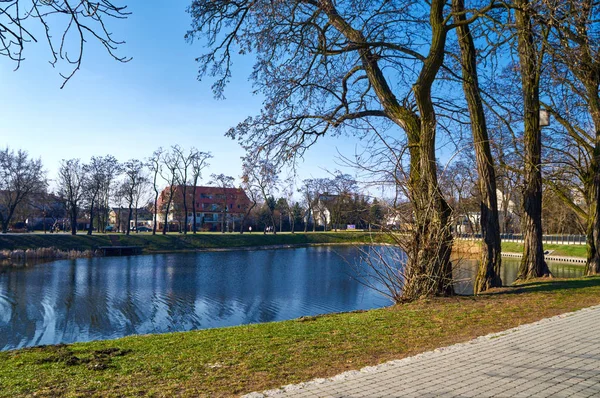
322, 208
470, 223
216, 208
117, 218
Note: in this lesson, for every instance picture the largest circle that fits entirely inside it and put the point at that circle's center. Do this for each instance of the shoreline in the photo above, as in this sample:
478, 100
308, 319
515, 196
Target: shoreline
200, 243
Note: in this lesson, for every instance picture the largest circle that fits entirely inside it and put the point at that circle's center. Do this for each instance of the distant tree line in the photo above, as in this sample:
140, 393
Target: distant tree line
86, 192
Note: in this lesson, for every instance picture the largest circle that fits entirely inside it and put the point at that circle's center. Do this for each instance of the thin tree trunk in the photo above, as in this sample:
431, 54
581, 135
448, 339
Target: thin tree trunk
488, 274
155, 213
130, 214
185, 209
73, 220
166, 226
194, 212
91, 227
243, 221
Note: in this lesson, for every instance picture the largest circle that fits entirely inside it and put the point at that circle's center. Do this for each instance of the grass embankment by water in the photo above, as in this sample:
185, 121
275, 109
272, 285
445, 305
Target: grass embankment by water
557, 250
202, 241
231, 361
473, 247
179, 242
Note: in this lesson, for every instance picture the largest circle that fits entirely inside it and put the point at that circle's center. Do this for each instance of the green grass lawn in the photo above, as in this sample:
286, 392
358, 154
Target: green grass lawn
180, 242
232, 361
558, 250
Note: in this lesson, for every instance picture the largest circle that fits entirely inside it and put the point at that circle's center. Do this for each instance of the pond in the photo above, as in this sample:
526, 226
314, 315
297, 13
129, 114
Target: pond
104, 298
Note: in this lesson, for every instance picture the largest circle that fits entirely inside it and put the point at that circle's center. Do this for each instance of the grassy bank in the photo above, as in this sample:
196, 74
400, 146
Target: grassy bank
179, 242
474, 247
230, 361
557, 250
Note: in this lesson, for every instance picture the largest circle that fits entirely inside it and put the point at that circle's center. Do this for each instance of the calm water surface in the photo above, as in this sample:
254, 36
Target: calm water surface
104, 298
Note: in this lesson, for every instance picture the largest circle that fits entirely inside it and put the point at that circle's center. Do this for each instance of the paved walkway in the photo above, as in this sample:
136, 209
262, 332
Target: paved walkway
555, 357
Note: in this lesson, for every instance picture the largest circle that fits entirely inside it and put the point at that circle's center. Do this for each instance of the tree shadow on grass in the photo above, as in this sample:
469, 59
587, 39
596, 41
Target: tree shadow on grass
548, 285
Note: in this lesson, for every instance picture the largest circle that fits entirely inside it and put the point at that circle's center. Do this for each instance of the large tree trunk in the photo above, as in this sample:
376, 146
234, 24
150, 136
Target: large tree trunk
532, 263
488, 273
593, 224
428, 270
593, 229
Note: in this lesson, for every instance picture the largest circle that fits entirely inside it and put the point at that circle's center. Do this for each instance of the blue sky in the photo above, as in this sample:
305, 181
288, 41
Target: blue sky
129, 110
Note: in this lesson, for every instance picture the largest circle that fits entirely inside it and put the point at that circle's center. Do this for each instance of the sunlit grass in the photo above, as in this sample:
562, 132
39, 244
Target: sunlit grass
181, 242
557, 250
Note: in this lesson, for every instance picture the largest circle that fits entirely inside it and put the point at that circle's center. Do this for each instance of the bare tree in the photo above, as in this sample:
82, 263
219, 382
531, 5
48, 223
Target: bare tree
112, 170
20, 178
199, 163
574, 102
79, 22
225, 183
155, 166
118, 198
135, 178
170, 163
531, 55
488, 274
262, 175
100, 173
250, 188
309, 193
71, 182
184, 162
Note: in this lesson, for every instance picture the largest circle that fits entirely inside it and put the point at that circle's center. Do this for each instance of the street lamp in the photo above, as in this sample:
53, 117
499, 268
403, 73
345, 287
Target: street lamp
544, 118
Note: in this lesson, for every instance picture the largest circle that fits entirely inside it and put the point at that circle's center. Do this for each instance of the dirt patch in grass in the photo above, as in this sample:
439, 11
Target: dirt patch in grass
95, 360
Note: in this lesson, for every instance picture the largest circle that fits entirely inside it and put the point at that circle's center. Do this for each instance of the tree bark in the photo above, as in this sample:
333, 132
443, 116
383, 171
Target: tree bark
73, 220
185, 209
91, 227
428, 270
130, 214
532, 263
488, 273
166, 226
593, 224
